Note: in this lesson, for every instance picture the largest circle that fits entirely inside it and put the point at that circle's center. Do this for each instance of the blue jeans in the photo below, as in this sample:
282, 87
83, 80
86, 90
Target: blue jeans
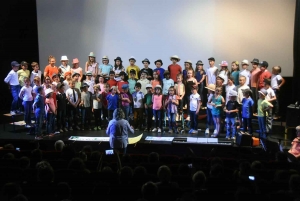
209, 118
86, 113
262, 127
50, 123
172, 120
157, 118
230, 124
126, 112
39, 118
15, 90
194, 120
27, 111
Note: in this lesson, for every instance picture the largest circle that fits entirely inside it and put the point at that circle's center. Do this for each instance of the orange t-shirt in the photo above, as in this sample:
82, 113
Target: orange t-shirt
154, 83
174, 70
112, 83
49, 70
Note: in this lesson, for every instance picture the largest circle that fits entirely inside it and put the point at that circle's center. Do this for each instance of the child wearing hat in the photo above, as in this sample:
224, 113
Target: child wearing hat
132, 81
64, 67
246, 110
51, 111
146, 68
35, 72
148, 106
159, 70
118, 68
90, 81
51, 68
245, 72
39, 111
61, 108
134, 67
76, 70
224, 71
174, 68
263, 74
200, 76
125, 100
167, 83
12, 80
86, 107
263, 106
23, 72
187, 66
75, 78
97, 106
144, 81
91, 65
138, 106
105, 68
231, 110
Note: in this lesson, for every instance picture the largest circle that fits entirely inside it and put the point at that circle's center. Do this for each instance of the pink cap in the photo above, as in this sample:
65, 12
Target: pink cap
224, 63
75, 61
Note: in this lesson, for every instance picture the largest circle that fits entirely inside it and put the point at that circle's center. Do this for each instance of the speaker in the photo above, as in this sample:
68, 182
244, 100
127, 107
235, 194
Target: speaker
292, 116
243, 139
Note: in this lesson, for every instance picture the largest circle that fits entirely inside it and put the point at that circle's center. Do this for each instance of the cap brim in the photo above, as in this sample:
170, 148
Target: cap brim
210, 89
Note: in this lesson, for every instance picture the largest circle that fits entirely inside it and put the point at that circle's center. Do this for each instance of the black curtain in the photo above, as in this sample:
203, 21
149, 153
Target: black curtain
296, 74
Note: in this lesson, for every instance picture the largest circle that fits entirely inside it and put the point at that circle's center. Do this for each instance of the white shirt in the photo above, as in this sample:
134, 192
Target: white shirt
12, 78
138, 99
270, 94
91, 84
275, 79
65, 69
144, 83
27, 93
66, 85
247, 74
240, 93
194, 98
34, 74
223, 72
166, 85
69, 94
211, 76
227, 90
208, 99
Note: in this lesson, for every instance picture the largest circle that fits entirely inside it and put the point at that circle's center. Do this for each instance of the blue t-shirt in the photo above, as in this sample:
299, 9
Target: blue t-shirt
247, 104
231, 105
105, 69
161, 72
184, 73
112, 101
216, 110
166, 85
199, 75
40, 104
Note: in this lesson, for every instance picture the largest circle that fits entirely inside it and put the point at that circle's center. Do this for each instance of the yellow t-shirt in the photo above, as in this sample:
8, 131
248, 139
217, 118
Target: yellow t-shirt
136, 68
22, 74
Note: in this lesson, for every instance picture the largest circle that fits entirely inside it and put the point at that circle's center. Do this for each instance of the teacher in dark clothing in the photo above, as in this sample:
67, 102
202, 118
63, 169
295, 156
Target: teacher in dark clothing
117, 130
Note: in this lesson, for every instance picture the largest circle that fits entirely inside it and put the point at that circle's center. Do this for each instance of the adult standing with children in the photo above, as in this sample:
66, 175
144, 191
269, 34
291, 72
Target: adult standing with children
118, 129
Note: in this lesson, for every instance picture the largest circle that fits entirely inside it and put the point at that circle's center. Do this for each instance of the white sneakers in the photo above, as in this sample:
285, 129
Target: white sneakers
155, 129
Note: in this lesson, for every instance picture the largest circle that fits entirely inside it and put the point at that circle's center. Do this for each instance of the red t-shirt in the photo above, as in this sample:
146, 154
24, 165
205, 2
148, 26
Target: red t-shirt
49, 70
112, 83
104, 101
261, 76
120, 84
174, 70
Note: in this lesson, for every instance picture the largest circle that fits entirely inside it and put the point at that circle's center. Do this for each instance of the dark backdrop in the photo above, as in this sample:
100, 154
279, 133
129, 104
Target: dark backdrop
19, 41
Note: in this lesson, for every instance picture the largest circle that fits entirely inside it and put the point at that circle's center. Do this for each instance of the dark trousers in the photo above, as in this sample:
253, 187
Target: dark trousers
86, 115
50, 123
255, 98
157, 118
276, 103
247, 125
194, 120
200, 90
97, 116
72, 113
105, 116
61, 118
110, 114
149, 113
138, 117
27, 111
39, 119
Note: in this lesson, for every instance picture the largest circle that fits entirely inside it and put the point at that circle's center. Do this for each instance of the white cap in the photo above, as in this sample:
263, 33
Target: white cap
148, 86
245, 61
232, 93
48, 91
64, 58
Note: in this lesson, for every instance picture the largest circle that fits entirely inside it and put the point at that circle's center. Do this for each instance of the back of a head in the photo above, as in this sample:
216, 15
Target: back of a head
11, 190
19, 197
216, 160
63, 191
24, 162
87, 149
164, 173
294, 183
59, 145
256, 165
216, 170
37, 154
199, 179
9, 146
126, 174
9, 156
95, 156
45, 172
139, 172
76, 164
149, 190
153, 157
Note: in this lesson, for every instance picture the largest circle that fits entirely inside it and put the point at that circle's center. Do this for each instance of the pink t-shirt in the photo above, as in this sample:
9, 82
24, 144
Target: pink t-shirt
254, 77
157, 102
50, 104
101, 87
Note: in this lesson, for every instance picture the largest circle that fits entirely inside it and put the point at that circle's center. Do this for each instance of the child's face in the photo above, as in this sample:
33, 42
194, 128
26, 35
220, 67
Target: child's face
158, 64
146, 64
125, 90
261, 96
219, 81
132, 75
179, 79
36, 68
217, 91
15, 68
148, 90
143, 75
254, 65
106, 88
96, 90
189, 74
36, 82
242, 81
262, 68
174, 61
171, 92
88, 77
61, 89
155, 75
92, 59
157, 90
105, 62
200, 67
244, 66
122, 77
55, 78
132, 62
72, 85
167, 76
233, 66
211, 63
194, 91
47, 80
24, 67
64, 63
75, 65
68, 77
118, 63
266, 85
229, 81
114, 91
232, 98
52, 62
186, 65
27, 82
137, 88
85, 89
274, 72
246, 95
101, 79
111, 76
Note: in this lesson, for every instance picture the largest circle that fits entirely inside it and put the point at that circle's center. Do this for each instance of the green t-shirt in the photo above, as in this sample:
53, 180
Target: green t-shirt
262, 104
148, 99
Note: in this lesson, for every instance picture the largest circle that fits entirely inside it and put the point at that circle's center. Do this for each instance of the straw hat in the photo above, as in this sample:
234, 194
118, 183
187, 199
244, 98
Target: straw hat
157, 86
92, 54
211, 87
175, 57
188, 61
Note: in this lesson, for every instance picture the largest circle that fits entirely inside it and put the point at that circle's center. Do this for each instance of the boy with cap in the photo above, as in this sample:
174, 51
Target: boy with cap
146, 68
174, 68
253, 82
231, 110
263, 106
247, 105
263, 74
89, 80
39, 111
144, 81
245, 72
212, 71
23, 72
125, 100
148, 106
12, 80
132, 66
167, 83
61, 108
138, 97
86, 107
73, 97
159, 70
132, 81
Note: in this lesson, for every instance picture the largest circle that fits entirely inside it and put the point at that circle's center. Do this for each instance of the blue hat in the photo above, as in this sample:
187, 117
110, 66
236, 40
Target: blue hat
14, 64
125, 86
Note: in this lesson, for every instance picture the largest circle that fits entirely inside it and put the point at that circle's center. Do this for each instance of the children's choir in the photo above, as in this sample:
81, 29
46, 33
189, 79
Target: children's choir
62, 95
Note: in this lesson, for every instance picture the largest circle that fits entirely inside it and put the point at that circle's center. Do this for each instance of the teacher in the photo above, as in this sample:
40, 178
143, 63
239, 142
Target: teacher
117, 130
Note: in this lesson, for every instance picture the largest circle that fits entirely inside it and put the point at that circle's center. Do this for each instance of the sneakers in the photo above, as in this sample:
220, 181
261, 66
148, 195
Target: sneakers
65, 129
56, 132
207, 131
159, 130
154, 130
99, 128
38, 138
61, 130
170, 131
194, 132
227, 137
28, 126
187, 118
12, 113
